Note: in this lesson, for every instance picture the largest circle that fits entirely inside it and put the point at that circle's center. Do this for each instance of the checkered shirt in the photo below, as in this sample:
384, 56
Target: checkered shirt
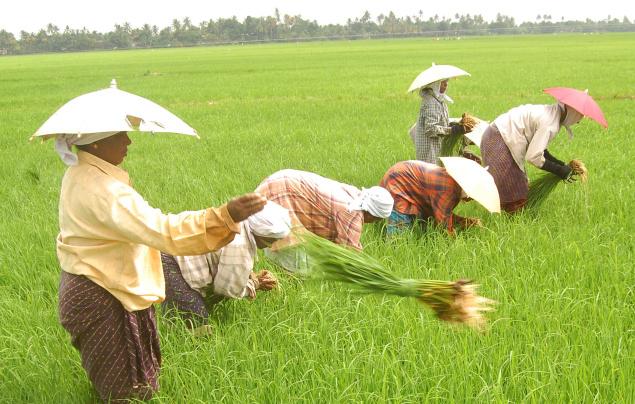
432, 125
318, 204
227, 269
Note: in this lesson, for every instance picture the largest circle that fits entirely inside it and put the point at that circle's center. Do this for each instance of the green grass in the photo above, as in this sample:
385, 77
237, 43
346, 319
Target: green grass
564, 278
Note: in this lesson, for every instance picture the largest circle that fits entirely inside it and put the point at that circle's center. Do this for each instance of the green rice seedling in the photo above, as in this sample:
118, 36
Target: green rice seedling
452, 144
540, 189
454, 302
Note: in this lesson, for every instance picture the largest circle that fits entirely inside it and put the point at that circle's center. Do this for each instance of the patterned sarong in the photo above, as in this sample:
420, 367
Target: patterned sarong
510, 180
119, 349
180, 299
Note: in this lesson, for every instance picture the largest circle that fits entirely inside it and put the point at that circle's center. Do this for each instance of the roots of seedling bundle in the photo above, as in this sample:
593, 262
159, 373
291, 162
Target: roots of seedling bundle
458, 302
469, 122
579, 169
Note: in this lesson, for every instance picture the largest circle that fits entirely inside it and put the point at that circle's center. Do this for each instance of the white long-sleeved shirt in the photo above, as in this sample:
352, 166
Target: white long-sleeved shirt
527, 130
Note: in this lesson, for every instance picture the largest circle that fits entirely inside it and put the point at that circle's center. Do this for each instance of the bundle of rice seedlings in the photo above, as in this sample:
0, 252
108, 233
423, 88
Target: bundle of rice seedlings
540, 189
452, 144
455, 302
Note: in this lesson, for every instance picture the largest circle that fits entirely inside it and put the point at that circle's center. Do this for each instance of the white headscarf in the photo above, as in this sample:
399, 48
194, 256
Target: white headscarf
571, 118
63, 144
435, 86
375, 200
273, 221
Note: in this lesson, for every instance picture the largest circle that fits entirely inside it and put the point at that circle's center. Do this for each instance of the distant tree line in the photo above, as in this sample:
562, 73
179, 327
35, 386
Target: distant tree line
288, 28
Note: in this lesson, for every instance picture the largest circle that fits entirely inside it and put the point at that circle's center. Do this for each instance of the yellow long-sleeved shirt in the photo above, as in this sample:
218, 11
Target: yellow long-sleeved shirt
111, 235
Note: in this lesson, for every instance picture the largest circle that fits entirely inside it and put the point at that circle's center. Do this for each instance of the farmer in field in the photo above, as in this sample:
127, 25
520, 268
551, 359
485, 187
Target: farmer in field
523, 134
427, 192
433, 123
227, 272
330, 209
110, 238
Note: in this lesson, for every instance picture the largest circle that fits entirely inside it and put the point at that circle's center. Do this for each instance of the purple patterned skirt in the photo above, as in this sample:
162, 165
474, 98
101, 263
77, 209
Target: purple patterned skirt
119, 349
510, 180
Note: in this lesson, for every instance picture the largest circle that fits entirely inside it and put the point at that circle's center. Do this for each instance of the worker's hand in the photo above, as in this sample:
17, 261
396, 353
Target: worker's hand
561, 170
572, 177
266, 280
457, 128
241, 207
566, 173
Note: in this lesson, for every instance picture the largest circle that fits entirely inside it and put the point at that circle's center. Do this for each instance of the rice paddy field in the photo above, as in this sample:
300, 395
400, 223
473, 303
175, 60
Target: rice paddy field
563, 276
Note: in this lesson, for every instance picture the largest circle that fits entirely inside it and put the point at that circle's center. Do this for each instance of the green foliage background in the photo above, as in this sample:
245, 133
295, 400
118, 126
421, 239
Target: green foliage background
564, 277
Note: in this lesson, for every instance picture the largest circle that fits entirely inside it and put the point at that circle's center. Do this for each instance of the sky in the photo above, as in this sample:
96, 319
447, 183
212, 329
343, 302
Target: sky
32, 15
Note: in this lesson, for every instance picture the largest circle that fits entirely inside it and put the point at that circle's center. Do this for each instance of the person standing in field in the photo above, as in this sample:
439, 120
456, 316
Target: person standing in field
433, 123
429, 193
328, 208
227, 272
108, 249
523, 134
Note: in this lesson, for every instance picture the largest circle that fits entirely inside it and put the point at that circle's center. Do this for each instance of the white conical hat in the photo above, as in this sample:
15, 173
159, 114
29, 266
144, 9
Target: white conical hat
436, 73
111, 110
476, 181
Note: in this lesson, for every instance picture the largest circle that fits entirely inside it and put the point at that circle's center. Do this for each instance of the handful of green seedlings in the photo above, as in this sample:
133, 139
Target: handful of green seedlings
454, 302
451, 145
541, 188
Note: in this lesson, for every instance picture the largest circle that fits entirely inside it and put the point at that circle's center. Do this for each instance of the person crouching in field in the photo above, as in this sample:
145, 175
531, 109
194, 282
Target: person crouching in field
330, 209
227, 272
108, 249
427, 192
523, 134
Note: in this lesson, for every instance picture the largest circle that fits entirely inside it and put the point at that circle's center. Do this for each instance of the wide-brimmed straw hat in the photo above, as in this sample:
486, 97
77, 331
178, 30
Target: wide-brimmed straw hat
476, 181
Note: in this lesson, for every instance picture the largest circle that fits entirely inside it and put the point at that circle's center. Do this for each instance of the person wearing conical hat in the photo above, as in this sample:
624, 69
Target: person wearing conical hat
433, 123
429, 193
110, 241
190, 281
